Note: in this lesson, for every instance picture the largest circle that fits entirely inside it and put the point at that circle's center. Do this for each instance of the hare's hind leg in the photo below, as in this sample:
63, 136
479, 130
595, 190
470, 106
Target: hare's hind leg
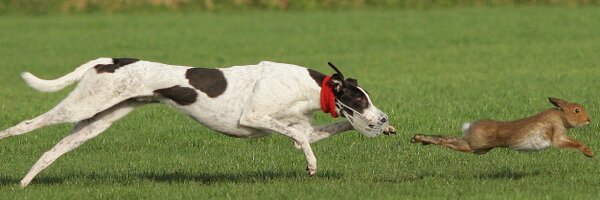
455, 143
83, 131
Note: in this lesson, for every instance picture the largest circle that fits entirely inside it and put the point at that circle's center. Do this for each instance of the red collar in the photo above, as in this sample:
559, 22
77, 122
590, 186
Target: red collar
327, 98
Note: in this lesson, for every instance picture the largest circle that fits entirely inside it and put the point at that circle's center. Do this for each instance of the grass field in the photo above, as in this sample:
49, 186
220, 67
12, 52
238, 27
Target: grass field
430, 70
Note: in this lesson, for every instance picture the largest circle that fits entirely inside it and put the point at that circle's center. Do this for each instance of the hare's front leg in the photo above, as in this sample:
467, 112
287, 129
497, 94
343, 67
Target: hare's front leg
566, 142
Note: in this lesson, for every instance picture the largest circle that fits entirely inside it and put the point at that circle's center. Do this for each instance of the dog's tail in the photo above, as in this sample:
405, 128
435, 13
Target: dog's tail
62, 82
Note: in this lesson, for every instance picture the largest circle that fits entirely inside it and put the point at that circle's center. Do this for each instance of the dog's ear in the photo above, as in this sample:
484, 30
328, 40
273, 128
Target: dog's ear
336, 83
337, 71
352, 81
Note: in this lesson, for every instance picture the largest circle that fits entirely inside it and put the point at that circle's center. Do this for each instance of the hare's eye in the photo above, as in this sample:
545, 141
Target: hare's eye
576, 110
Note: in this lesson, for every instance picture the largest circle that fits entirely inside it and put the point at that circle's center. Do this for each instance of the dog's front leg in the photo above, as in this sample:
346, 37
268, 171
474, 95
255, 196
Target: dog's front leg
322, 132
325, 131
265, 122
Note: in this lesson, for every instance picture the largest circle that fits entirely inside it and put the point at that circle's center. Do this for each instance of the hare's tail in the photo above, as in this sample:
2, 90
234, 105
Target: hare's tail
466, 126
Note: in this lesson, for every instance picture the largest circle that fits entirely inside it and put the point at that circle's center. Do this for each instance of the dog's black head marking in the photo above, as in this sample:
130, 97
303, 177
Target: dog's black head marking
210, 81
348, 92
117, 63
353, 96
181, 95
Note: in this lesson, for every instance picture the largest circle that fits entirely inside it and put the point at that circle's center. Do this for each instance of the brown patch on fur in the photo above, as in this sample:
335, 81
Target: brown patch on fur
317, 76
181, 95
210, 81
117, 63
124, 61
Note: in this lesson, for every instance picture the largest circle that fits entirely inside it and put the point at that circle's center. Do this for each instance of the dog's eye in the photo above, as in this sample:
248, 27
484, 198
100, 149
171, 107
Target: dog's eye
576, 110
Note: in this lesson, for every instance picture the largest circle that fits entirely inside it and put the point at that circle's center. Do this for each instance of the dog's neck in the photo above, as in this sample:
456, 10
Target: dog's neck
321, 96
327, 98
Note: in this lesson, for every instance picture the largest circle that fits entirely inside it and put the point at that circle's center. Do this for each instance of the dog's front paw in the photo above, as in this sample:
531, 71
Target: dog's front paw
389, 130
311, 171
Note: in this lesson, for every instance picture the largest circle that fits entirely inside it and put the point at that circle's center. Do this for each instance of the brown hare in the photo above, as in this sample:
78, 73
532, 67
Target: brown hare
537, 132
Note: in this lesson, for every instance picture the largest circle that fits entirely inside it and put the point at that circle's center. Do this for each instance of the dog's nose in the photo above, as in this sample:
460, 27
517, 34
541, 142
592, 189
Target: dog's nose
383, 120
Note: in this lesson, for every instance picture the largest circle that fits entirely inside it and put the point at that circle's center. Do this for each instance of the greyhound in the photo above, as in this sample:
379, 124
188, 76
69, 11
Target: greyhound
242, 101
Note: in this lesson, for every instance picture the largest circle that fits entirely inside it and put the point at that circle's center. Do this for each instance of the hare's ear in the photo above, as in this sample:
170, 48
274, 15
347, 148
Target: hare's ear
336, 82
557, 102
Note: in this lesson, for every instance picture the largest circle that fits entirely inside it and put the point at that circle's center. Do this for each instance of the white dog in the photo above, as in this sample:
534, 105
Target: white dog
242, 101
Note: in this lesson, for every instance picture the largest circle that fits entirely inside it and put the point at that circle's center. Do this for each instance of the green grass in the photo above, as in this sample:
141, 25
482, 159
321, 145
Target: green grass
429, 70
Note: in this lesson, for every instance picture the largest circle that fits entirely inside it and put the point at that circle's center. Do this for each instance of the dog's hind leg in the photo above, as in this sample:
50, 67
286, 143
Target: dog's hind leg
82, 103
25, 126
59, 114
83, 131
69, 109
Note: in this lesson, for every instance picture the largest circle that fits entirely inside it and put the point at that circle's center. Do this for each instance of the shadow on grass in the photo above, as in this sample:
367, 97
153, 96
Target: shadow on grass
174, 177
243, 177
4, 180
406, 178
507, 174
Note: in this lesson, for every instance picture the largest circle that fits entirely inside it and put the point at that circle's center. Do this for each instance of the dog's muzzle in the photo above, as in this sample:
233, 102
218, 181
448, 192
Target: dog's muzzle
363, 125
